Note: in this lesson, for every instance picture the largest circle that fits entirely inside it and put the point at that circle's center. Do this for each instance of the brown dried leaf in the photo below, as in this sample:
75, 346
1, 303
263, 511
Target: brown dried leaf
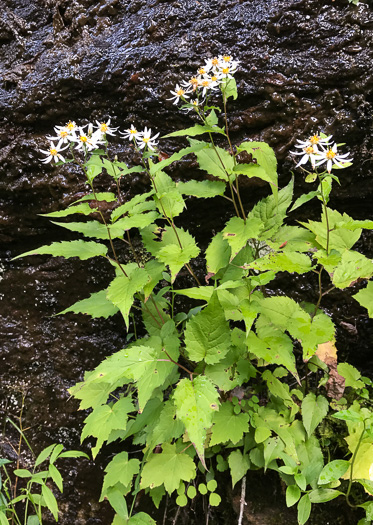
335, 386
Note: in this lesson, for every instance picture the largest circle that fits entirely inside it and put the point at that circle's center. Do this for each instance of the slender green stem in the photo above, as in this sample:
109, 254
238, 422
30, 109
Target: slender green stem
352, 467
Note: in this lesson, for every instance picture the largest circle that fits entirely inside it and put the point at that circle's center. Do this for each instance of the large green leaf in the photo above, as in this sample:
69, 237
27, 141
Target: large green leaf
122, 289
167, 468
314, 410
216, 161
104, 419
168, 198
202, 189
172, 246
196, 401
237, 232
82, 249
207, 334
228, 426
353, 266
167, 426
217, 254
333, 471
271, 211
96, 305
84, 208
365, 298
284, 262
120, 470
265, 157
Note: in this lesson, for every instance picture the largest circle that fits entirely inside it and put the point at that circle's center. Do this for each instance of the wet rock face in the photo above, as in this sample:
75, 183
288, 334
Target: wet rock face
305, 66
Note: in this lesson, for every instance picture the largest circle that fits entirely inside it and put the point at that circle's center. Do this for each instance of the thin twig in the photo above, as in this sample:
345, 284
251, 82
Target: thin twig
176, 516
165, 511
242, 500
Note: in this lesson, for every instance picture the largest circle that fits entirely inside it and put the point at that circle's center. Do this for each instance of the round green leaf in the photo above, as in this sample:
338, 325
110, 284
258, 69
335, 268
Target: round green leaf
214, 499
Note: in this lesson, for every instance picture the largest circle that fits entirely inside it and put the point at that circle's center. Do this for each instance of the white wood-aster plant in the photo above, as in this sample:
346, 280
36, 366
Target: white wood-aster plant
245, 379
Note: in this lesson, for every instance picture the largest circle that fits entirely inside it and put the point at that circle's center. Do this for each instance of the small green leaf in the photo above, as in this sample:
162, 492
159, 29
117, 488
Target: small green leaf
292, 495
141, 518
314, 410
56, 476
365, 298
167, 468
191, 492
303, 199
323, 495
217, 254
22, 473
238, 232
304, 509
182, 500
202, 189
265, 157
83, 208
229, 88
262, 434
120, 470
50, 501
351, 374
238, 464
197, 129
96, 305
202, 489
214, 499
44, 454
212, 485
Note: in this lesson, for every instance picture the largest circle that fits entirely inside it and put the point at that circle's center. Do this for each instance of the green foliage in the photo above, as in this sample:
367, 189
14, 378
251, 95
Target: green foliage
244, 377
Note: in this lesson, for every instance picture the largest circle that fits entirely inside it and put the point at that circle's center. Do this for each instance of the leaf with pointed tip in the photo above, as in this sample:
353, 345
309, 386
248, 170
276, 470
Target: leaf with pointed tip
237, 232
314, 410
202, 189
239, 464
168, 198
83, 208
100, 197
365, 298
120, 470
353, 266
217, 254
282, 262
216, 161
167, 468
228, 426
82, 249
122, 289
265, 157
96, 305
208, 335
176, 156
193, 131
196, 401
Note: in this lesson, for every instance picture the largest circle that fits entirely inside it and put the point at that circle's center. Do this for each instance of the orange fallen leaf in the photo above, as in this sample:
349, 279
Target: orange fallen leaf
335, 386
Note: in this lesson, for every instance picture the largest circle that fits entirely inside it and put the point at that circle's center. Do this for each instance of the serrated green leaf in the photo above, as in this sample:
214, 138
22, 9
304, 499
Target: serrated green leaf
168, 198
304, 509
82, 249
120, 470
228, 426
196, 401
266, 158
202, 293
100, 197
83, 208
238, 232
122, 289
132, 205
167, 249
314, 410
176, 156
50, 501
333, 471
365, 298
56, 476
351, 374
202, 189
271, 211
239, 464
217, 254
139, 220
167, 427
216, 161
44, 454
207, 334
104, 419
285, 262
229, 88
353, 266
167, 468
303, 199
193, 131
96, 305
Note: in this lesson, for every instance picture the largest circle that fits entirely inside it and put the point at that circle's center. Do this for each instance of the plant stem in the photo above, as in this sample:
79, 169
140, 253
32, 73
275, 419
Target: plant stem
242, 500
352, 467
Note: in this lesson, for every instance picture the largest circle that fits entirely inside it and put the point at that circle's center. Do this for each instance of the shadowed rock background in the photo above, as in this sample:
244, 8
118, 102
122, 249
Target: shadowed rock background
306, 65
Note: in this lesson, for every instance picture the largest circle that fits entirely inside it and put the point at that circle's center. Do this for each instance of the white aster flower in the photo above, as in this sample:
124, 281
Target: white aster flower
53, 153
314, 140
105, 129
86, 141
330, 156
145, 140
178, 93
191, 84
309, 153
131, 133
212, 64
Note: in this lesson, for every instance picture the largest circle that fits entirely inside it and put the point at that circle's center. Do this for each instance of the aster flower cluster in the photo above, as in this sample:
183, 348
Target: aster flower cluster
318, 149
90, 137
208, 78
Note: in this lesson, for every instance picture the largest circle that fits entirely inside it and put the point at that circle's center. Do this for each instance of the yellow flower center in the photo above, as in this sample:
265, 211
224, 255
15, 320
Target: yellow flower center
205, 83
70, 125
133, 131
202, 71
315, 139
53, 151
330, 154
146, 139
180, 92
309, 150
103, 127
193, 81
83, 138
63, 134
214, 79
225, 70
227, 58
214, 61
